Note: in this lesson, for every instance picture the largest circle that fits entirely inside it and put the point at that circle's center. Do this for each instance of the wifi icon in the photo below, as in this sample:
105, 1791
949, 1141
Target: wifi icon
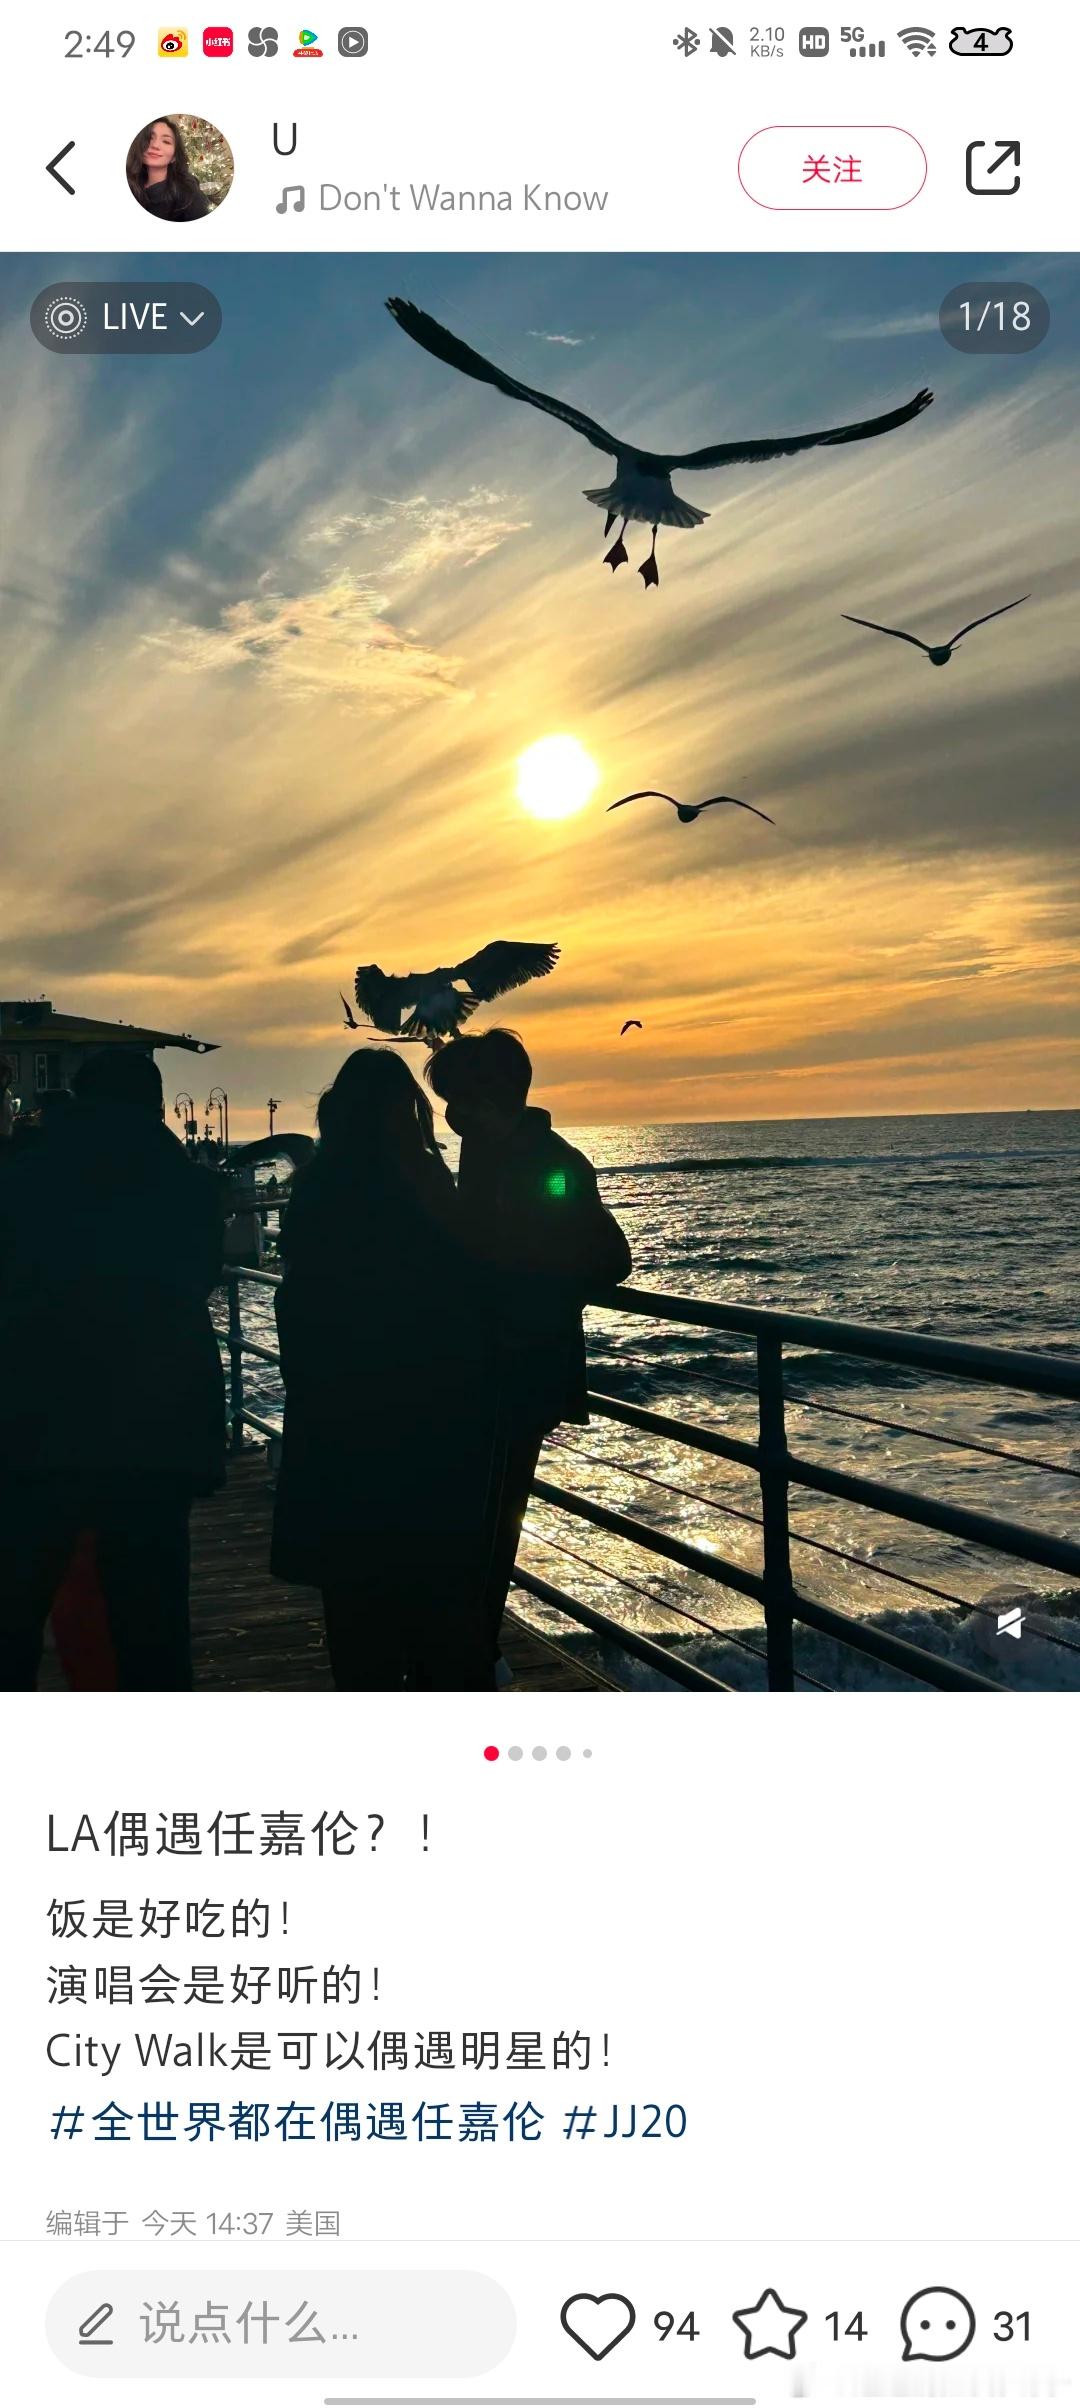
917, 39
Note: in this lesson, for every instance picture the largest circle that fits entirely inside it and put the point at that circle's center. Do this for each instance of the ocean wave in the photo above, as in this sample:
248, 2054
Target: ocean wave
1047, 1657
718, 1162
671, 1354
917, 1171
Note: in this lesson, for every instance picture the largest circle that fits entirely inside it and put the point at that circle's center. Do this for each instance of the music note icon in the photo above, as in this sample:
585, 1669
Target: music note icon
293, 193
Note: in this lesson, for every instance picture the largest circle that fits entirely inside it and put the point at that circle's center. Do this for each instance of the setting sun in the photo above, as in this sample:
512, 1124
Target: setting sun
556, 777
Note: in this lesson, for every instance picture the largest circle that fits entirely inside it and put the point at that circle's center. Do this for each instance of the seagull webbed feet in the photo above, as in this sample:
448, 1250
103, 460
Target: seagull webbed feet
618, 554
649, 570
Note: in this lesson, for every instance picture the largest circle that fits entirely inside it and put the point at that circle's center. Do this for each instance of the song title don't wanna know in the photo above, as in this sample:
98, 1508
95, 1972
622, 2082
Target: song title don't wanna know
467, 201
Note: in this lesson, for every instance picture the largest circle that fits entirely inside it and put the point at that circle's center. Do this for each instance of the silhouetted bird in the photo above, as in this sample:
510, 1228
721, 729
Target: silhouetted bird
642, 487
939, 654
629, 1024
350, 1019
687, 811
432, 998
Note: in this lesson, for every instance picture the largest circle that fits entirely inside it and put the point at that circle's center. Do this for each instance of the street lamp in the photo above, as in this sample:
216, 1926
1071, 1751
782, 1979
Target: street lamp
218, 1099
184, 1108
272, 1105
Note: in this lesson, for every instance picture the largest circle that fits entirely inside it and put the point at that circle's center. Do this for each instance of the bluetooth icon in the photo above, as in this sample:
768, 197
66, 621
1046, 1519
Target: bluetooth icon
687, 41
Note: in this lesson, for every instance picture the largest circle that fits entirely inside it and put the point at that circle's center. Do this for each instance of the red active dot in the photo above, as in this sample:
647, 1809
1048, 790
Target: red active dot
490, 1754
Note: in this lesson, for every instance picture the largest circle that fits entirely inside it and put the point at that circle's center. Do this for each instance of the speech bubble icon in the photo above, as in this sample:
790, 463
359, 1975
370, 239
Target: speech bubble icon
937, 2324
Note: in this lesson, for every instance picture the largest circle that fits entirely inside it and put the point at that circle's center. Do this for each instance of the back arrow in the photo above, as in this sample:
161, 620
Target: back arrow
53, 169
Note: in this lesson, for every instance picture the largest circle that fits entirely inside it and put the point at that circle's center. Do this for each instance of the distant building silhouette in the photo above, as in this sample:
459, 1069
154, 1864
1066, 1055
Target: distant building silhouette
46, 1048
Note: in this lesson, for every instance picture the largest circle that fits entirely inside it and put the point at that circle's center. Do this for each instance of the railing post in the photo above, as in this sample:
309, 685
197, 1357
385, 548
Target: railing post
236, 1366
772, 1441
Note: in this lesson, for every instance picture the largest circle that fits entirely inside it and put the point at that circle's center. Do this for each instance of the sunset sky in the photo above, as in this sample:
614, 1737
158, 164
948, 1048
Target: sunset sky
279, 620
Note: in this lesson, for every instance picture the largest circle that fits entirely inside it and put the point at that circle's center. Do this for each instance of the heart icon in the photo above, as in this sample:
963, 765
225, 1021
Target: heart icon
598, 2323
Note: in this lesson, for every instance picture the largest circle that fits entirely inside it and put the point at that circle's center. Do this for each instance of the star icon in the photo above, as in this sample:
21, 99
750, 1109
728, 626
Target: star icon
770, 2328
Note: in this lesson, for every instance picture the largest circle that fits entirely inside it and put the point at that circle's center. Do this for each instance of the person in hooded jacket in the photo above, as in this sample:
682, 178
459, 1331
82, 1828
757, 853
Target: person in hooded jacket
535, 1219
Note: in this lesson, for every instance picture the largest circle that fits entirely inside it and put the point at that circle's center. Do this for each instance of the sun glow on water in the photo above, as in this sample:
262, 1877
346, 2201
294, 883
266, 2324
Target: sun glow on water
556, 777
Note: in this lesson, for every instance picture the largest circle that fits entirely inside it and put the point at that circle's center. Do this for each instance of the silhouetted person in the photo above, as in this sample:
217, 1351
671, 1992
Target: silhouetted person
534, 1215
386, 1357
112, 1401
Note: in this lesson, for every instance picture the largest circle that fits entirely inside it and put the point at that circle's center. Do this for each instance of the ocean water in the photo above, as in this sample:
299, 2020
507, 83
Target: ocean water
953, 1225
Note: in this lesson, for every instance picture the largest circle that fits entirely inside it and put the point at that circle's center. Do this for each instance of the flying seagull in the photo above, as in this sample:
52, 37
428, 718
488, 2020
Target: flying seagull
629, 1024
687, 811
939, 654
641, 488
433, 999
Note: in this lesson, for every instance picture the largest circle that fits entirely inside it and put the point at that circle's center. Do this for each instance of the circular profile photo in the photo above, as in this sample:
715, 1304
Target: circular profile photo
180, 168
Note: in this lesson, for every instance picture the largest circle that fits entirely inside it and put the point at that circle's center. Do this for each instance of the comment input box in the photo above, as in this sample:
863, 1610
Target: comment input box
308, 2325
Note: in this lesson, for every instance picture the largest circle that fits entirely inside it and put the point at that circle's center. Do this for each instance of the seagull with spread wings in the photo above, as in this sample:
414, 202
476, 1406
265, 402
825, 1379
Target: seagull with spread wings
629, 1024
438, 1002
687, 811
939, 654
642, 487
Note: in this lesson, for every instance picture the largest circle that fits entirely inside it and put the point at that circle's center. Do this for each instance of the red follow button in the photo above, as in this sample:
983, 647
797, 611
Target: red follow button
832, 167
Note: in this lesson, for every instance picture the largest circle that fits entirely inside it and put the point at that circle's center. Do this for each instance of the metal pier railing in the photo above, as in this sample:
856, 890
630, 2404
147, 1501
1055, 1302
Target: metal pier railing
779, 1471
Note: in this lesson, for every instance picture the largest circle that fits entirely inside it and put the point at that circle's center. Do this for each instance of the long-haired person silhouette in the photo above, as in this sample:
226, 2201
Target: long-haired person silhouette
386, 1353
160, 174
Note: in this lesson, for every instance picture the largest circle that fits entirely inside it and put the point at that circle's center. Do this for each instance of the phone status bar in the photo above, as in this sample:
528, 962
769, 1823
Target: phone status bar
860, 42
747, 43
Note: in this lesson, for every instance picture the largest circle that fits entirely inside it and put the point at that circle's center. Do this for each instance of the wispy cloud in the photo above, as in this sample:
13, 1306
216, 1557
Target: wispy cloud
570, 342
413, 537
878, 330
334, 641
56, 514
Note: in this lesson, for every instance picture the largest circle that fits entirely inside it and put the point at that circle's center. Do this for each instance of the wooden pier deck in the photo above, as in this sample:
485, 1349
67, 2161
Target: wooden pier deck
253, 1632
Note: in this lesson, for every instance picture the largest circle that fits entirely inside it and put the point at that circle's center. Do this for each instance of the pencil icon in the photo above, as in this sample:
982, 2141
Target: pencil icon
90, 2328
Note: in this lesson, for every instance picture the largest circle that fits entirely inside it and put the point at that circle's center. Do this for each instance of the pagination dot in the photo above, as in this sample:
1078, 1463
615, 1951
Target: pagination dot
539, 1754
